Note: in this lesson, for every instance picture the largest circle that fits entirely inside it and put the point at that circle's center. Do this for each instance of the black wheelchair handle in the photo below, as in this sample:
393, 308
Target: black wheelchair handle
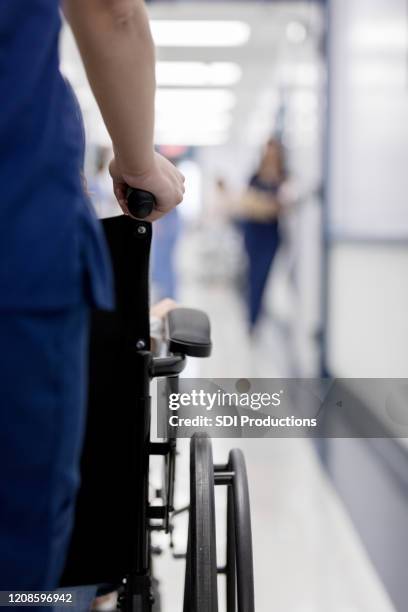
140, 202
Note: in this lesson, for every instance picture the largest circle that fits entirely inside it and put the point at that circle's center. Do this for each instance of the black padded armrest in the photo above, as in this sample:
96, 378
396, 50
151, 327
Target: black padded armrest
189, 332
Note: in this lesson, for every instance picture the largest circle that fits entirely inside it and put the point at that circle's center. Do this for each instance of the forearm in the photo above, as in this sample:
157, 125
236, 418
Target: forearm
118, 53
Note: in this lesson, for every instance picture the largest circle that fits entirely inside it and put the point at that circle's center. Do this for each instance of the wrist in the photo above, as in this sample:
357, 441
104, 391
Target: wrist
135, 171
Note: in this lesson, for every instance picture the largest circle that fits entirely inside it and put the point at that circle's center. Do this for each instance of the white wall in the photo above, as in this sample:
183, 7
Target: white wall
368, 187
368, 312
369, 117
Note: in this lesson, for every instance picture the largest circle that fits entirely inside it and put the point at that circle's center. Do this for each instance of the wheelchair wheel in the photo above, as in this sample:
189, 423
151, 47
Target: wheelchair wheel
239, 568
200, 589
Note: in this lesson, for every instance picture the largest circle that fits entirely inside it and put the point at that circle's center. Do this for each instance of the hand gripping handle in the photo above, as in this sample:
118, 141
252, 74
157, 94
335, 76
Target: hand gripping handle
140, 202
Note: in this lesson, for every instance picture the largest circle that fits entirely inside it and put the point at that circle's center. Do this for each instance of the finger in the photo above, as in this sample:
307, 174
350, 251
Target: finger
119, 190
123, 204
155, 215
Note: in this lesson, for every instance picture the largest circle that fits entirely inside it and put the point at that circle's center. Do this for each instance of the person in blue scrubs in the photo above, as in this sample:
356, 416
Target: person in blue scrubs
261, 229
53, 262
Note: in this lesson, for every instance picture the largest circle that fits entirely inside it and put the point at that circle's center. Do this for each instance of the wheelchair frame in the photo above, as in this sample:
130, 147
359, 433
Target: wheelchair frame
112, 546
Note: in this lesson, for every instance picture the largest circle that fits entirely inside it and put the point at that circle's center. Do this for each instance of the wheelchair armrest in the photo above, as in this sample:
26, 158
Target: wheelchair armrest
189, 332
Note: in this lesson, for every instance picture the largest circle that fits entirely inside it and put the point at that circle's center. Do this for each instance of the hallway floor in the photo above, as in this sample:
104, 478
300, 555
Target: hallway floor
308, 557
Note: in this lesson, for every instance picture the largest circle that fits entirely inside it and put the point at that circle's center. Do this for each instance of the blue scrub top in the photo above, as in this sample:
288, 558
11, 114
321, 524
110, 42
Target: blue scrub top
51, 244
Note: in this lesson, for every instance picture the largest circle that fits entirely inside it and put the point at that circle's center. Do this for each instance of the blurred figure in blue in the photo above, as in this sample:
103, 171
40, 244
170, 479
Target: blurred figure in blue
262, 205
164, 275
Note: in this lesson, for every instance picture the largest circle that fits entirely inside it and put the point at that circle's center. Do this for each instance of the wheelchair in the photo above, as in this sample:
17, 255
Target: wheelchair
111, 540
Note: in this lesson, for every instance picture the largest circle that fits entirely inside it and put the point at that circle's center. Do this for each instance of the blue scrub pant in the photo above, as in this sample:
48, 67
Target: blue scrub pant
43, 373
261, 241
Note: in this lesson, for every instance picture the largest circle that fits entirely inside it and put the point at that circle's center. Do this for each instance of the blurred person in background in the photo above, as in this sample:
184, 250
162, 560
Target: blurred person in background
260, 209
223, 201
53, 261
163, 268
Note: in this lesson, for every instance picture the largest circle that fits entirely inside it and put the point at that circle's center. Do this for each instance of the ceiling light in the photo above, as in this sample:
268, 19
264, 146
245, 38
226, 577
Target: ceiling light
197, 73
187, 33
296, 32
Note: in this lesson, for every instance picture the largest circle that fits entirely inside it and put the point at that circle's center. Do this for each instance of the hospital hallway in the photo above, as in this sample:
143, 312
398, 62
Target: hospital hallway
289, 122
307, 555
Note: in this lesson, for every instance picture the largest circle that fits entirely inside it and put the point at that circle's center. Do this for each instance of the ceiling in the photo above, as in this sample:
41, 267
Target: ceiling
228, 94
